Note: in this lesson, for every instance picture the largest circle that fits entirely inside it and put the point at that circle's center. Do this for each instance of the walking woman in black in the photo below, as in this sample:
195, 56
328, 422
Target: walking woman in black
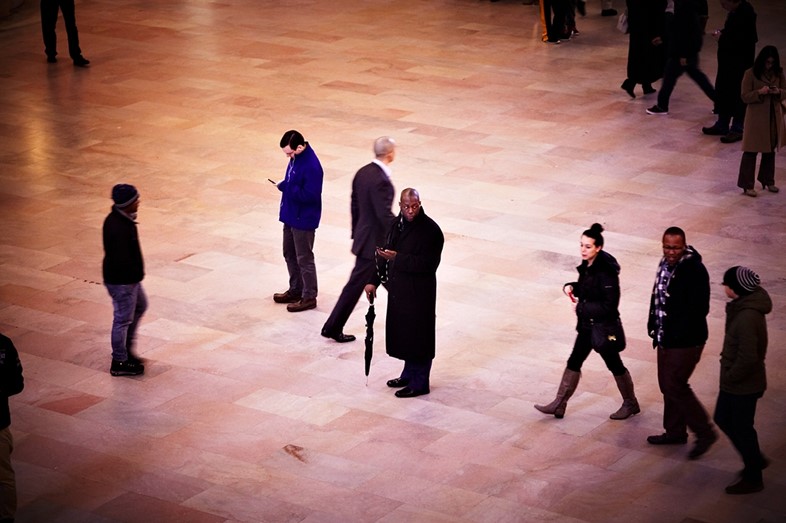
596, 297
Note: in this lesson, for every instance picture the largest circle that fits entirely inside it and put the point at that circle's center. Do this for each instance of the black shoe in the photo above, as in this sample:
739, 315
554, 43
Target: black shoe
608, 12
286, 297
126, 368
666, 439
51, 59
702, 445
81, 61
657, 109
731, 137
340, 337
715, 130
745, 486
397, 383
302, 305
406, 392
628, 86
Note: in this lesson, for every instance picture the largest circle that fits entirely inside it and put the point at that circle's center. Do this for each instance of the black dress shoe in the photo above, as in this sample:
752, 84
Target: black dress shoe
406, 392
340, 337
397, 383
302, 305
81, 61
667, 439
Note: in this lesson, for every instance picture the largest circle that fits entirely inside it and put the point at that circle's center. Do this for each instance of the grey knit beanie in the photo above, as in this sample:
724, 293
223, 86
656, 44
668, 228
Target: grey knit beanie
741, 280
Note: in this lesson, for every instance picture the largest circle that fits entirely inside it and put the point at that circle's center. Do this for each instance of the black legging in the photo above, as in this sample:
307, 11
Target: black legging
581, 350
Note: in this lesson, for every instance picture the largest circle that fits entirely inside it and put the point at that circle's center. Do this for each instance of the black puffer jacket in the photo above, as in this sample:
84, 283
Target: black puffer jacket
597, 291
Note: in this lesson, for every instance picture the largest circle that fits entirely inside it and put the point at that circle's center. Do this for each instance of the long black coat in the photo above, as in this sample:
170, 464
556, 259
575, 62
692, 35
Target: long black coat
646, 21
736, 52
412, 287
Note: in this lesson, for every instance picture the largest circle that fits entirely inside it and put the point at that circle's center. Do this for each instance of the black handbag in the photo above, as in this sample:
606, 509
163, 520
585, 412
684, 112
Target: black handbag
608, 336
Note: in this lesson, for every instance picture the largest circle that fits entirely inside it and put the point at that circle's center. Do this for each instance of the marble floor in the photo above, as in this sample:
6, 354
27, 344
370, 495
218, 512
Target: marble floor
245, 413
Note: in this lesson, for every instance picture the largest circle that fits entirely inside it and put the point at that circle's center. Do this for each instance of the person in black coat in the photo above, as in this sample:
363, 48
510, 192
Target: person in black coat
677, 324
646, 50
371, 203
407, 267
684, 38
596, 297
736, 53
11, 382
123, 270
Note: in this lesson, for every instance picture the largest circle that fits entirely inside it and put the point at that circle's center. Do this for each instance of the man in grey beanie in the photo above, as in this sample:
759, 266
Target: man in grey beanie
743, 377
123, 271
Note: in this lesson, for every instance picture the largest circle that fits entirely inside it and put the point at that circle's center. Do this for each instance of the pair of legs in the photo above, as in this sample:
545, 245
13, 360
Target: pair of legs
7, 478
417, 375
748, 170
734, 414
553, 15
362, 273
130, 303
682, 409
674, 70
49, 10
299, 256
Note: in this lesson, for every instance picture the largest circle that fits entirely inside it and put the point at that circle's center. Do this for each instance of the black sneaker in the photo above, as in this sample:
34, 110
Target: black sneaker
657, 109
126, 368
81, 61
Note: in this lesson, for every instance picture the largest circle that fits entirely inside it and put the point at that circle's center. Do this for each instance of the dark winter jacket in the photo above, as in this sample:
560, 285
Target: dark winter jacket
745, 344
686, 28
598, 291
687, 305
123, 263
11, 381
301, 191
412, 288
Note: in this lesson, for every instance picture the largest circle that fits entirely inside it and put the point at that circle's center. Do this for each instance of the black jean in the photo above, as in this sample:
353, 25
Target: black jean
581, 350
734, 414
674, 70
49, 9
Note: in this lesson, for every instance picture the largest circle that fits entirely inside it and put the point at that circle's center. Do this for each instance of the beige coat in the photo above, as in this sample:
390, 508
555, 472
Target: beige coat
757, 135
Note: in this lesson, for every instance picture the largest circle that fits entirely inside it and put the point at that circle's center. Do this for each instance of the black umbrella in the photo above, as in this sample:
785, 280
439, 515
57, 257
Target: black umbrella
370, 315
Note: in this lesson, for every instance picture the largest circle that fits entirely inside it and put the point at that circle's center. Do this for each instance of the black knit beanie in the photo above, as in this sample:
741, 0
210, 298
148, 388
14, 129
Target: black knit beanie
124, 195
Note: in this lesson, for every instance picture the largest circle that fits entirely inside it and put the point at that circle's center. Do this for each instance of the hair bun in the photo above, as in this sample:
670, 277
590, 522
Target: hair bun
596, 227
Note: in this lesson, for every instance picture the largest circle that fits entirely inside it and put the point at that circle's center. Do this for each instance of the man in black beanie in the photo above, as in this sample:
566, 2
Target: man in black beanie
743, 377
123, 273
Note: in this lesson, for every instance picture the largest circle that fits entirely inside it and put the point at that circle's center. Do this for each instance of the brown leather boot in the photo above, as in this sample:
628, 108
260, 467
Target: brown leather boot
630, 404
570, 380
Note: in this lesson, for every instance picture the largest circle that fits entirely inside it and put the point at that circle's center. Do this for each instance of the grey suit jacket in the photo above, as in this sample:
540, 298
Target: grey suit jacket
372, 200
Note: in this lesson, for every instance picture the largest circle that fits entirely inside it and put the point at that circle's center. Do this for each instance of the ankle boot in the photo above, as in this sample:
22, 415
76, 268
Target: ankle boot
570, 380
630, 405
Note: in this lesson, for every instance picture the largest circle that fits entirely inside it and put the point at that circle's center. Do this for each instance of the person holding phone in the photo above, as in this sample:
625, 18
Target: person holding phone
762, 91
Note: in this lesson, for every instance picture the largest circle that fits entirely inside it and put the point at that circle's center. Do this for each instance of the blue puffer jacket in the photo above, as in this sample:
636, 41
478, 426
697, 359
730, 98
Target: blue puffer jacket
301, 191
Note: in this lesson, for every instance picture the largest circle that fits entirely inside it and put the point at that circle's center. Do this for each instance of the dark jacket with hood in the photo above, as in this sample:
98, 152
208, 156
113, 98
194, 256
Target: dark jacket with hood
123, 263
745, 344
687, 304
598, 291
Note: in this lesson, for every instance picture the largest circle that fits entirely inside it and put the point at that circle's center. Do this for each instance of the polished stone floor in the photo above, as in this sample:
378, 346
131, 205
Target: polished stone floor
245, 412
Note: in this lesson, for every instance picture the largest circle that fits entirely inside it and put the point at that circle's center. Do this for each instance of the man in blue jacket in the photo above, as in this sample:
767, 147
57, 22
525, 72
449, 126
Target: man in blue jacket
301, 210
11, 382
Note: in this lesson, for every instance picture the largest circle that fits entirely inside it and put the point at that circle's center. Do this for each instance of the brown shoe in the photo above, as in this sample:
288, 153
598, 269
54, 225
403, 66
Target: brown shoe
286, 297
302, 305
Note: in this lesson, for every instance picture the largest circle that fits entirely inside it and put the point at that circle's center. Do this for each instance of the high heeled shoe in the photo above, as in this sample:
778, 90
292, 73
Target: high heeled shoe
770, 188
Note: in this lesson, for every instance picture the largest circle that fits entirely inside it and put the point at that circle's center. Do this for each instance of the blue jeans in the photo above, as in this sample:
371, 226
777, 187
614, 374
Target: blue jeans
130, 304
299, 255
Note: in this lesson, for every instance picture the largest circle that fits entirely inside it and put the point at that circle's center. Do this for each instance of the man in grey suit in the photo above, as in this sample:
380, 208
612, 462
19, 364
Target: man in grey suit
372, 201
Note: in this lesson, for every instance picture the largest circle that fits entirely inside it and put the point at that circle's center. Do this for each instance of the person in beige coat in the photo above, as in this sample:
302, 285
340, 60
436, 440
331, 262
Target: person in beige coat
763, 88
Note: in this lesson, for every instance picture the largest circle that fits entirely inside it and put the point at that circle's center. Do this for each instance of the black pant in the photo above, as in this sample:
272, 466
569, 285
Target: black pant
674, 70
734, 415
418, 374
49, 9
581, 350
362, 274
554, 13
748, 169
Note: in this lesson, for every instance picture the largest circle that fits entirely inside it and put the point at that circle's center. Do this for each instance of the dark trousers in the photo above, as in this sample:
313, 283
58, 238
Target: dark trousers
362, 274
748, 170
674, 70
681, 409
299, 255
418, 374
581, 350
734, 415
553, 15
49, 10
